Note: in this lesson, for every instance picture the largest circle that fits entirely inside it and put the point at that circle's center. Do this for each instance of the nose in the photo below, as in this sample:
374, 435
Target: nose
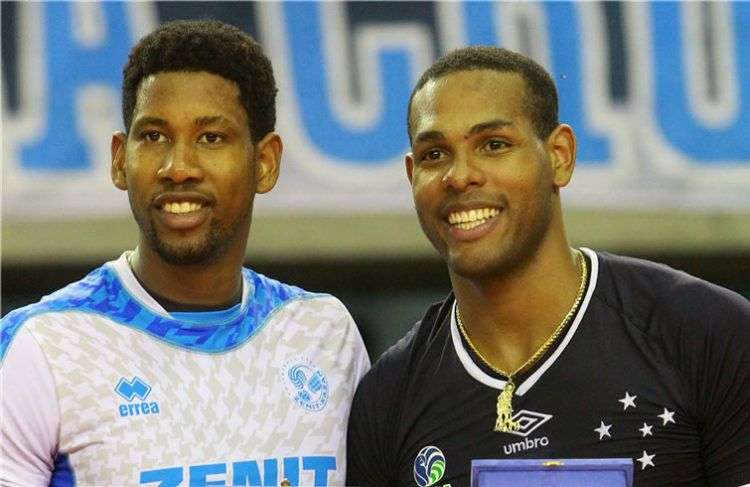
463, 174
181, 164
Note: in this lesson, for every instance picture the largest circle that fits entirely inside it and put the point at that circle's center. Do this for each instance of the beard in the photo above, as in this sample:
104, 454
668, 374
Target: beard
204, 250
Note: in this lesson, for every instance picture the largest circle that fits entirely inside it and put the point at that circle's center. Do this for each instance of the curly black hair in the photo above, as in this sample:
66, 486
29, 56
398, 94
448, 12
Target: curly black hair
540, 101
205, 45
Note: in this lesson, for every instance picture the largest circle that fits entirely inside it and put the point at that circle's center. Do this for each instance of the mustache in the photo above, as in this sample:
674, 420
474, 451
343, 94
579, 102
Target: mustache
181, 191
473, 201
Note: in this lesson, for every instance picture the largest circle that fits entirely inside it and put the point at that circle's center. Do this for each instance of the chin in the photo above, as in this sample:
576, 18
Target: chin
200, 250
482, 266
186, 254
471, 270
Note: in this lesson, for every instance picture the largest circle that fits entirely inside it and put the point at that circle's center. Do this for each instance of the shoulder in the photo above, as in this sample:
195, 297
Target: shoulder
77, 295
669, 304
649, 288
265, 288
270, 296
320, 317
401, 359
382, 399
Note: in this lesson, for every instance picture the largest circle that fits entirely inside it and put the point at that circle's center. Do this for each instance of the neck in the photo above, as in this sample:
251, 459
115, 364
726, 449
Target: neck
215, 284
509, 317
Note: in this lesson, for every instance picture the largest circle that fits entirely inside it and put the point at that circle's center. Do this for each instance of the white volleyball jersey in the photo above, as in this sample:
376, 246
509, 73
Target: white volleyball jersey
102, 386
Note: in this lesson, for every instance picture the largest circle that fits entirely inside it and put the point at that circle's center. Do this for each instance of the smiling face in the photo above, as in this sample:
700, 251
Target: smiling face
485, 186
190, 168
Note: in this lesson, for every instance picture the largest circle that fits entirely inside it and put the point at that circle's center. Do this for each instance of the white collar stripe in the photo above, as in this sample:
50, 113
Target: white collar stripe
126, 276
473, 370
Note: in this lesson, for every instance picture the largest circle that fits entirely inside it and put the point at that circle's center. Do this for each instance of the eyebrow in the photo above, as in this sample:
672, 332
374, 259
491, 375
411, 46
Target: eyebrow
211, 119
160, 122
435, 135
431, 135
491, 125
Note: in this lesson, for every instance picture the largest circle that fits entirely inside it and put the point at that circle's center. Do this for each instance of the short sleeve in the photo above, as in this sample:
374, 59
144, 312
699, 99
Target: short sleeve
373, 423
722, 381
365, 465
30, 423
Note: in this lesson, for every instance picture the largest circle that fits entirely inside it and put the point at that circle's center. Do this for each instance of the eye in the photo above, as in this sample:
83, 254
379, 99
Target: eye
494, 145
154, 136
210, 138
432, 155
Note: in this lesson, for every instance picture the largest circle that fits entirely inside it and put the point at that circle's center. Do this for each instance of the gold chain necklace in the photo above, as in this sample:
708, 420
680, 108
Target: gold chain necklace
505, 423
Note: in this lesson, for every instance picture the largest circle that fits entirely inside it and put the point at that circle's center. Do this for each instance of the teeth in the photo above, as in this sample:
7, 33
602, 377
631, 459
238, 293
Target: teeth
472, 218
470, 225
184, 207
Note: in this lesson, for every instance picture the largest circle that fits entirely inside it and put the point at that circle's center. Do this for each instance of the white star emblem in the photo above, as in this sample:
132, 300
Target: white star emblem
603, 430
627, 401
667, 416
646, 460
646, 430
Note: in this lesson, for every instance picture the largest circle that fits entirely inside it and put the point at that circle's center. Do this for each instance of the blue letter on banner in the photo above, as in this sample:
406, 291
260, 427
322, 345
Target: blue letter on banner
383, 141
676, 121
565, 49
69, 68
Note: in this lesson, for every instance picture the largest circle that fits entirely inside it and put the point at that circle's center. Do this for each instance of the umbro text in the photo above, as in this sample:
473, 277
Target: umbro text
526, 444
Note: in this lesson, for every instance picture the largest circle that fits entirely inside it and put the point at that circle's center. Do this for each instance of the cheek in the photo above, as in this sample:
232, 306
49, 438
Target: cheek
426, 187
422, 198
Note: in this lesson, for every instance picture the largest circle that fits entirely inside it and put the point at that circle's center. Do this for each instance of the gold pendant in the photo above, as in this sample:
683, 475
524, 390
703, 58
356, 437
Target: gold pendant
504, 423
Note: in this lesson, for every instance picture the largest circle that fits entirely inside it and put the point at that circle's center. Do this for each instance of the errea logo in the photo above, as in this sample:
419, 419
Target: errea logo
132, 389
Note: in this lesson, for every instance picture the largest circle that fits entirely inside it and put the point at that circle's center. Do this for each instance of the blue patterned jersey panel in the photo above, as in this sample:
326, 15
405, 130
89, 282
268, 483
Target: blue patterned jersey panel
62, 475
208, 317
101, 292
73, 296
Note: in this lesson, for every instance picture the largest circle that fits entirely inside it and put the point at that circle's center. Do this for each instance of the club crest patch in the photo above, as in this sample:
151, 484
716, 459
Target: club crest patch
429, 466
306, 385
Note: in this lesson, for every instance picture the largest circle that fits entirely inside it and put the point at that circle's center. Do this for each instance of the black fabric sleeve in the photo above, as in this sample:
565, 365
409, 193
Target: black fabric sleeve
370, 437
365, 462
716, 357
373, 438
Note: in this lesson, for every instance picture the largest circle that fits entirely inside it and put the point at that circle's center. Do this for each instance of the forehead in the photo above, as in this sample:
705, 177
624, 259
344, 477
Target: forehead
192, 94
466, 98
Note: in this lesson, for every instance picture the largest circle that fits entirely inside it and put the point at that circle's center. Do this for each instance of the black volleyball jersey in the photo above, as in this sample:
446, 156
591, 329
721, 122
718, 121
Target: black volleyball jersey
655, 367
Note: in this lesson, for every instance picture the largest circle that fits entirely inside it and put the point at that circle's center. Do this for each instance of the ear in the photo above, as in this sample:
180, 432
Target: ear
117, 149
409, 163
561, 148
267, 162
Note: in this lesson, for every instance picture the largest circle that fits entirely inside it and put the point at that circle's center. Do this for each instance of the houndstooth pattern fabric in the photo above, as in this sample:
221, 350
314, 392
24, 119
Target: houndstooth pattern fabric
222, 408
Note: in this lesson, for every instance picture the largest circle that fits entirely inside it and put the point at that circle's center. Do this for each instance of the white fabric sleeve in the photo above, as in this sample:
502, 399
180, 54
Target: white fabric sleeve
361, 359
29, 414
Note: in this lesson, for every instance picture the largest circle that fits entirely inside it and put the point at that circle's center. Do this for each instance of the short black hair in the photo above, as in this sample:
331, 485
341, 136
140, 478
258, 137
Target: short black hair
205, 45
540, 99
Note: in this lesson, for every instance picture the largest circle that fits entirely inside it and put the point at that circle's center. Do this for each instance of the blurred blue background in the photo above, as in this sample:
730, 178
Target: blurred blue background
658, 93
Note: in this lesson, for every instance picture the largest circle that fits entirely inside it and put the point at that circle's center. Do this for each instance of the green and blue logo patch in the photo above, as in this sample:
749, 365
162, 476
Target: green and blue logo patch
429, 466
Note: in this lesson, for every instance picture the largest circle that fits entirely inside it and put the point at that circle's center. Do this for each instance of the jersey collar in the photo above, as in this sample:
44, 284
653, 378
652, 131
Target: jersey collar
477, 373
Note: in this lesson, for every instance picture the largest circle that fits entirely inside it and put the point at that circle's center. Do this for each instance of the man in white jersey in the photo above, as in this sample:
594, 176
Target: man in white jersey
173, 365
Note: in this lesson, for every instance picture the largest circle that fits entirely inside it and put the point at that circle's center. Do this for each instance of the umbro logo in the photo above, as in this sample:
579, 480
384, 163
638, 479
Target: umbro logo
528, 421
130, 390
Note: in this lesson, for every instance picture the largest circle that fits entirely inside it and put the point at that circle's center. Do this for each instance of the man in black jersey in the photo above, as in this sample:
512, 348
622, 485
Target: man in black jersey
541, 350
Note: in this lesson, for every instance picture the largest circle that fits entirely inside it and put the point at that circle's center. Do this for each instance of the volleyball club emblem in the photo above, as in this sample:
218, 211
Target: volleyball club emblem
305, 384
429, 466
